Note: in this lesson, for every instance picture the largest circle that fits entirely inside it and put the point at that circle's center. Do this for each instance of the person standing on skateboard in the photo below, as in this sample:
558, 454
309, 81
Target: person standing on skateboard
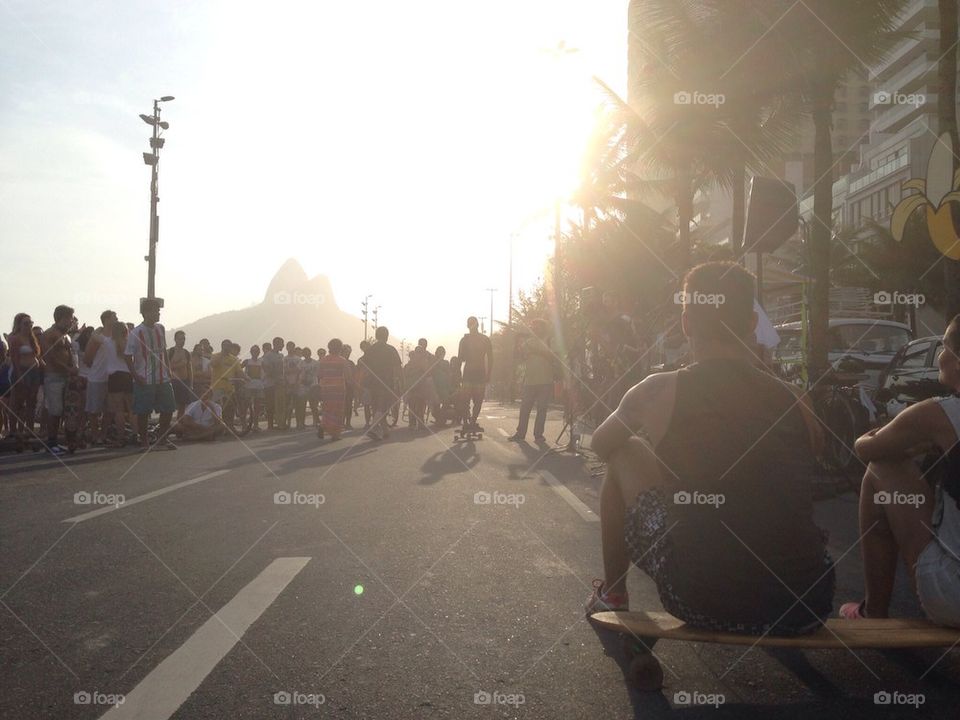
708, 480
476, 354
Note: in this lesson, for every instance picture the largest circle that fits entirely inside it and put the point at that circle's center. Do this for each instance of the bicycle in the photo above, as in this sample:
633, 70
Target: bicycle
844, 419
239, 412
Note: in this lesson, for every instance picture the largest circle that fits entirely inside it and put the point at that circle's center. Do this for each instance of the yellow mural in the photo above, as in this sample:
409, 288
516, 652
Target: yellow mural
935, 194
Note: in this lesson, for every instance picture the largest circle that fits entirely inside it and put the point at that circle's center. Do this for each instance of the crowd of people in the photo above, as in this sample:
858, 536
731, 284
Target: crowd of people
84, 385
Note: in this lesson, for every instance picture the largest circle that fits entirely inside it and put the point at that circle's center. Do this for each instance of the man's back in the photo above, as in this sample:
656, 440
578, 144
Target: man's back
382, 361
737, 464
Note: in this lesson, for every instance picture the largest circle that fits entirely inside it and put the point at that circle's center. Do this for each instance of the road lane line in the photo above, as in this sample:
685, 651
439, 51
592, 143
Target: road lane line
161, 693
503, 432
141, 498
572, 500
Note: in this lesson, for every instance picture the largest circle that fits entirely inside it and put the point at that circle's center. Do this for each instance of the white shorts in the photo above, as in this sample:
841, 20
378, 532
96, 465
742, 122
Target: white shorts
938, 584
96, 397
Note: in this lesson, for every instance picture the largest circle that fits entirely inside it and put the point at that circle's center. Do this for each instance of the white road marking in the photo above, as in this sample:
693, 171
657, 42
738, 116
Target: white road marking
503, 432
572, 500
161, 693
141, 498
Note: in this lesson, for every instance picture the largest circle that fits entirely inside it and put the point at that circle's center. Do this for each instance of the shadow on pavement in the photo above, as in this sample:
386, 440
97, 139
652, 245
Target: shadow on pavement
459, 458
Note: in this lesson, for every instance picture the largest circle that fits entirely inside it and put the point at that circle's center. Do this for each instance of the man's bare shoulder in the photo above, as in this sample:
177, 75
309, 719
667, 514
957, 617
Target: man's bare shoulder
651, 390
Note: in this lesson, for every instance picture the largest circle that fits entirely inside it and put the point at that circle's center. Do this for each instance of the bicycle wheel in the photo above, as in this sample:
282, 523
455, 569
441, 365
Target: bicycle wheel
245, 417
843, 425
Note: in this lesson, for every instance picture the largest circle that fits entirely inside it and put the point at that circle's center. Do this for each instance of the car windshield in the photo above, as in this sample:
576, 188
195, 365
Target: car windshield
864, 337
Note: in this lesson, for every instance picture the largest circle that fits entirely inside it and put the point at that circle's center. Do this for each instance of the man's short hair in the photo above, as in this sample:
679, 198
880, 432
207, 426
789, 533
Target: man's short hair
382, 333
178, 333
472, 321
422, 342
952, 335
335, 346
62, 311
718, 300
149, 304
107, 314
226, 344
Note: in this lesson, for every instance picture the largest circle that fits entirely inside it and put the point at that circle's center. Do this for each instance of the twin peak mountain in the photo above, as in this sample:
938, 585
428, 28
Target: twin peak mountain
295, 307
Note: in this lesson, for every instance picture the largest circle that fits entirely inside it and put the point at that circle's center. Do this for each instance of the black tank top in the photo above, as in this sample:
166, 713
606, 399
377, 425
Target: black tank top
738, 469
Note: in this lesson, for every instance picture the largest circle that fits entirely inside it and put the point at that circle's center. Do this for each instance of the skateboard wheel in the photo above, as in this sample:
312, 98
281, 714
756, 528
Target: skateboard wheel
646, 673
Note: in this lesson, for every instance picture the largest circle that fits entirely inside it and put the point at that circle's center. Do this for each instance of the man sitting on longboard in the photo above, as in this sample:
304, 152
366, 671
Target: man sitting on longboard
476, 353
708, 481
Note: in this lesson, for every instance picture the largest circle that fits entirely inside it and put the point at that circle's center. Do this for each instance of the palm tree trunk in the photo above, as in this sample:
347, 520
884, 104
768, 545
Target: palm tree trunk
737, 218
684, 216
947, 122
823, 222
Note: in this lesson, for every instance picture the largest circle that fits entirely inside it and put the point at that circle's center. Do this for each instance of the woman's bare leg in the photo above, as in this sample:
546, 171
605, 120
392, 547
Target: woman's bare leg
895, 515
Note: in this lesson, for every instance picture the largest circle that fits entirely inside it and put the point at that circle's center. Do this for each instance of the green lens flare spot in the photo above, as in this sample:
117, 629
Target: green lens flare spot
358, 589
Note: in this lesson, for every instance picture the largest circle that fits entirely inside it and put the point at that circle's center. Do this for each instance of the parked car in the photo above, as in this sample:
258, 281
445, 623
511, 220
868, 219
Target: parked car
874, 343
911, 376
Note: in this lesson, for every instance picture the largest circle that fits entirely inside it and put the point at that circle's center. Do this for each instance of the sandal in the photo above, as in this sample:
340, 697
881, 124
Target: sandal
853, 610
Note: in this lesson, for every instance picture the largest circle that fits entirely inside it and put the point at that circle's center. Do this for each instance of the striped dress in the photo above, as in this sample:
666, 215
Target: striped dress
334, 377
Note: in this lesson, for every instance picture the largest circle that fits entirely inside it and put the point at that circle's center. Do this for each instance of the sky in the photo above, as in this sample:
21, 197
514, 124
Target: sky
393, 146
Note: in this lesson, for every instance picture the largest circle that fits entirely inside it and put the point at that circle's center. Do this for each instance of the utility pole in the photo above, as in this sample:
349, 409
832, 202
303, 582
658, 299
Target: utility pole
483, 330
510, 290
491, 291
366, 301
152, 159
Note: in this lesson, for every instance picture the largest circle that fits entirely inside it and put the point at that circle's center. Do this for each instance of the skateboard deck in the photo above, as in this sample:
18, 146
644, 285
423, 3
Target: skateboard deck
641, 630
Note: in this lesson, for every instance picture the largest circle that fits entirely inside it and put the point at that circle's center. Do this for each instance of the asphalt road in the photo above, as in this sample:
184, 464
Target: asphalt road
414, 578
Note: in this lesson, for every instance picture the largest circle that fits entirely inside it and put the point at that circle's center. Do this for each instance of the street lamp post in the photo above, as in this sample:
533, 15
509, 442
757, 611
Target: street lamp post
510, 290
491, 291
152, 159
366, 301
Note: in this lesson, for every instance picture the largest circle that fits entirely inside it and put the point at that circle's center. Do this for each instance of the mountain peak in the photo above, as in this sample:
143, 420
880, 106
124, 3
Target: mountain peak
290, 276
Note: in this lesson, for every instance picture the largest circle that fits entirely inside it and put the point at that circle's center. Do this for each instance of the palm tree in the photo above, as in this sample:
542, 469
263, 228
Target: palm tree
703, 49
824, 40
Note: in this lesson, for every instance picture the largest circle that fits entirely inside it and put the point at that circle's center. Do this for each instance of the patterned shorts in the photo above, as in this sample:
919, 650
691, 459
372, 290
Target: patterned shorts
651, 551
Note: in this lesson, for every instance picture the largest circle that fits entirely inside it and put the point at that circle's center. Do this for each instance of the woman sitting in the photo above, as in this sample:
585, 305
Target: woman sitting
911, 514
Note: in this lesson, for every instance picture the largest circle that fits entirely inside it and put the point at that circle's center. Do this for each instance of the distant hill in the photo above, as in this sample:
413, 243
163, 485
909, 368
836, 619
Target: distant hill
294, 307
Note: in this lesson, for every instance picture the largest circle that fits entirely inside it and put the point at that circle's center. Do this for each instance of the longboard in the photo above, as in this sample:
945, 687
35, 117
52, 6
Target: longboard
641, 630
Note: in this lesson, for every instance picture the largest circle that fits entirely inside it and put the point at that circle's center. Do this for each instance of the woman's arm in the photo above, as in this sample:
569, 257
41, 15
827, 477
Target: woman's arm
910, 433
